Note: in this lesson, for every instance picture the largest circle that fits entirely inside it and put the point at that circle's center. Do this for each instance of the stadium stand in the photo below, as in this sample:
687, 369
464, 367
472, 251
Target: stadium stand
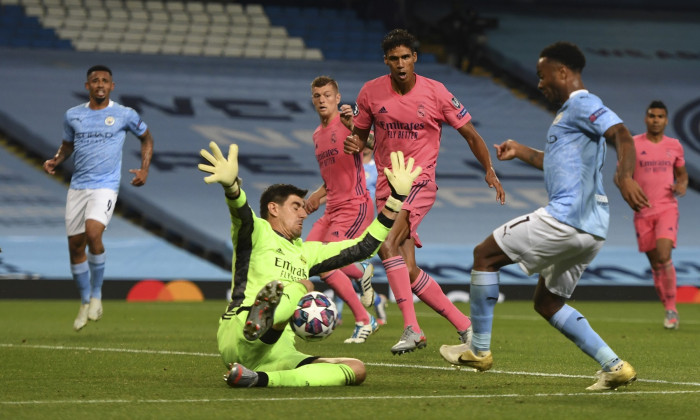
260, 100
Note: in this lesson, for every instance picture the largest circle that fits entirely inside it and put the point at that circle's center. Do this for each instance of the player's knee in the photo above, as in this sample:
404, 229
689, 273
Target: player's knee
358, 368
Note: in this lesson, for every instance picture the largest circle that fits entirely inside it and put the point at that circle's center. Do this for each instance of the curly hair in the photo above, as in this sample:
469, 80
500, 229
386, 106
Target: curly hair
567, 54
399, 38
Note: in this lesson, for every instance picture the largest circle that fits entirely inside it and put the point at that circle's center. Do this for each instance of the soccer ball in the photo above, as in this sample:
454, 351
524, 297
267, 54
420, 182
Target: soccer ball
315, 316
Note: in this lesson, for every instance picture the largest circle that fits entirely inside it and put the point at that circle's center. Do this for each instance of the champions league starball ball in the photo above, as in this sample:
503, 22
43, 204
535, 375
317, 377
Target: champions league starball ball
315, 317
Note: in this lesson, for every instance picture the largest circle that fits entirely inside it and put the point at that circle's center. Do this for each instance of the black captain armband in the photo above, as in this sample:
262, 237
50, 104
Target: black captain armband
385, 221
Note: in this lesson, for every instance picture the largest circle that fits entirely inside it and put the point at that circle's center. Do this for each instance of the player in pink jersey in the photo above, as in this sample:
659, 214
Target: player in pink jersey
407, 112
348, 203
661, 174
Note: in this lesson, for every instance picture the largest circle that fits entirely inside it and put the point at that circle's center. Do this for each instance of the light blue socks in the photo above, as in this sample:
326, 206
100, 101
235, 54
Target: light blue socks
97, 273
577, 329
81, 275
483, 296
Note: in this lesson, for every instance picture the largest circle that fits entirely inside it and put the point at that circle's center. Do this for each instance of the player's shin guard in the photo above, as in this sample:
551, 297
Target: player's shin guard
315, 374
97, 273
577, 329
483, 296
81, 275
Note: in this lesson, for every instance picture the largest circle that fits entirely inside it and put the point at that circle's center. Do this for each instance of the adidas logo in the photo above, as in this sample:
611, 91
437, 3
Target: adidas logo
383, 110
279, 251
644, 152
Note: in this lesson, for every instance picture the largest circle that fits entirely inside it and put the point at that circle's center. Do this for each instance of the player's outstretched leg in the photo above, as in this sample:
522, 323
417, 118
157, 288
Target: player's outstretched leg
262, 313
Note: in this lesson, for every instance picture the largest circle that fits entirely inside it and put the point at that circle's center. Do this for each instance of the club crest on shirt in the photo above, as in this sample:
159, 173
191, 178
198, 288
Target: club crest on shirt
333, 138
557, 118
109, 121
421, 111
455, 103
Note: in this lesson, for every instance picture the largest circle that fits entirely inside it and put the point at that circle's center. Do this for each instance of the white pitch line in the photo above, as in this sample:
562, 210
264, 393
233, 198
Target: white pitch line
469, 370
178, 353
359, 398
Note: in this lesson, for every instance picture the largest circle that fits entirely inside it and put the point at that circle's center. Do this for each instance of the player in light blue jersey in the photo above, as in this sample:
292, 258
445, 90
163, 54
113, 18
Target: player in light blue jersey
561, 239
94, 133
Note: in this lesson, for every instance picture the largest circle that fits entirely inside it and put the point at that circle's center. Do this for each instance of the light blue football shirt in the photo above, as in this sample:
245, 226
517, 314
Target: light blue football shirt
573, 162
98, 137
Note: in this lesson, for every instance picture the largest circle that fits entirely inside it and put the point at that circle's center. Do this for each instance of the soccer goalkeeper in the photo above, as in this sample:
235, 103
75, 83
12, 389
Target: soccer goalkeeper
271, 270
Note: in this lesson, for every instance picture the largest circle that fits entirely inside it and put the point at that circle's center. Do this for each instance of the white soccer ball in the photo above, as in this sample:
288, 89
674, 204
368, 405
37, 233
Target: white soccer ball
315, 317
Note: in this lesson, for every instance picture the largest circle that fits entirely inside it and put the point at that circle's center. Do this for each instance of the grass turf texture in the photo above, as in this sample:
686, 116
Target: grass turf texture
159, 360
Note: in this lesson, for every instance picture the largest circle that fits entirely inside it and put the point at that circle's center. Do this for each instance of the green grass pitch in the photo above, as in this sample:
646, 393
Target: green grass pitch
159, 360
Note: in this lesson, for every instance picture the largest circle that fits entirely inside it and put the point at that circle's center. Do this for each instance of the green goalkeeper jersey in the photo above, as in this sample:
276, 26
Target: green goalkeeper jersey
261, 255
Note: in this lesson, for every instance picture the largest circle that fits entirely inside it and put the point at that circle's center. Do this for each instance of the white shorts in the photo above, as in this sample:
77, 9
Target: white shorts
541, 244
88, 204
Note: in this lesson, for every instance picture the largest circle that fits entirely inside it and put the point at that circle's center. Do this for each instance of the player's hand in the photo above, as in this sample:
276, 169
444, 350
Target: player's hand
493, 182
401, 175
222, 170
50, 166
352, 144
140, 176
346, 115
506, 150
677, 189
632, 193
312, 203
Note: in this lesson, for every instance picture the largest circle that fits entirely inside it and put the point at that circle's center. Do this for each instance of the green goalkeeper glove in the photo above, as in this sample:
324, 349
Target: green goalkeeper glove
222, 170
400, 179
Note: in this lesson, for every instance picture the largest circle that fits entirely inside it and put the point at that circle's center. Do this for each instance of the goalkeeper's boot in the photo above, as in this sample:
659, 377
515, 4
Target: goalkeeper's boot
262, 313
366, 290
240, 376
671, 320
362, 331
463, 355
409, 341
622, 374
82, 318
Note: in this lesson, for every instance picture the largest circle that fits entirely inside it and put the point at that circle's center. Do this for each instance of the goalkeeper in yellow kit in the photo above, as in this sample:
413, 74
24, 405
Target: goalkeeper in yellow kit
271, 270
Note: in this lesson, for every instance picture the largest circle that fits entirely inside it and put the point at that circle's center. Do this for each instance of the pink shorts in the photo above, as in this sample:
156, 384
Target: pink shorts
656, 226
344, 223
417, 204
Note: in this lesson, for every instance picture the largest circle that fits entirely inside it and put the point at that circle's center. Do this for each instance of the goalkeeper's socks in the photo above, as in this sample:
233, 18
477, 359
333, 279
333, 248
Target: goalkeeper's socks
342, 286
577, 329
97, 273
314, 374
427, 289
81, 275
400, 284
483, 296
